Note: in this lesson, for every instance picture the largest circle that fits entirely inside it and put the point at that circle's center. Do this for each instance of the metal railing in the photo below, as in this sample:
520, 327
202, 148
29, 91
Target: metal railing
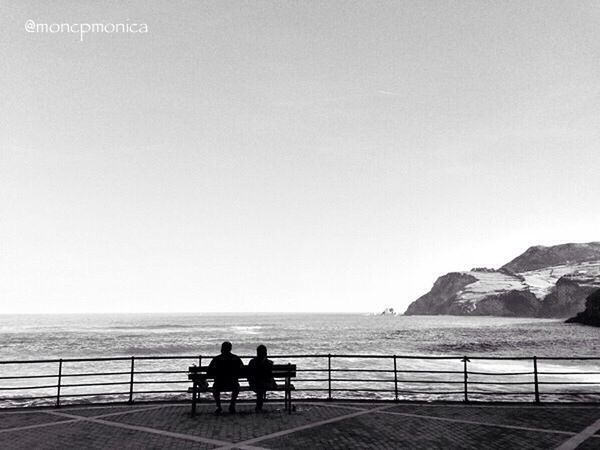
320, 377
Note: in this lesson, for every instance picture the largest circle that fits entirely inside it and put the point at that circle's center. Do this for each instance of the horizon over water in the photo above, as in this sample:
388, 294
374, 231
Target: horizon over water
23, 334
55, 336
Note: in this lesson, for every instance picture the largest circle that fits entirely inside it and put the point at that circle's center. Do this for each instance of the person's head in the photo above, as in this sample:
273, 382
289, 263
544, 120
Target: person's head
226, 347
261, 351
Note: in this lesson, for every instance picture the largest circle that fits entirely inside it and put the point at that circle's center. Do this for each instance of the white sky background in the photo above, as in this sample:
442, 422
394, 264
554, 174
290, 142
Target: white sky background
289, 155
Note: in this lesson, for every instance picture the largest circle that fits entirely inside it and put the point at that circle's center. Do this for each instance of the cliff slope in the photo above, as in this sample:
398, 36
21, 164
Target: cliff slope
539, 256
542, 282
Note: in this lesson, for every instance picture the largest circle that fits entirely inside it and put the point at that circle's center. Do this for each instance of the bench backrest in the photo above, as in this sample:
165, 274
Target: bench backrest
279, 371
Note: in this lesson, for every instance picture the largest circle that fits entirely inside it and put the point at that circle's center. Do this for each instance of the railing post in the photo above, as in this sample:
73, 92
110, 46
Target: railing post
200, 361
60, 361
288, 389
395, 380
466, 376
131, 380
329, 376
535, 380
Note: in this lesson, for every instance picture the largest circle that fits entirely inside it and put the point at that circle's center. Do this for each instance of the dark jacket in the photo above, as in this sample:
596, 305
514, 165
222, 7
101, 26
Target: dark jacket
260, 374
226, 370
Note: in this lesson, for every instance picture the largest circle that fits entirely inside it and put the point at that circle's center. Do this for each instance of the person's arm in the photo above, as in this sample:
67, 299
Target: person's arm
212, 367
252, 373
269, 375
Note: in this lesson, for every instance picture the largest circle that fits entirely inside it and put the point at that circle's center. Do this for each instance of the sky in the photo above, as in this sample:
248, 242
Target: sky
250, 156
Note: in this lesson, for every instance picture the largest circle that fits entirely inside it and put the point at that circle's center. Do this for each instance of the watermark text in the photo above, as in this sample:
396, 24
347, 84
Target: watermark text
83, 29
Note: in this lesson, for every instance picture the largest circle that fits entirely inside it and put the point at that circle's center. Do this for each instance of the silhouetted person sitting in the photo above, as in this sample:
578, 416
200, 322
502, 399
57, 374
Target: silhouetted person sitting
260, 375
226, 369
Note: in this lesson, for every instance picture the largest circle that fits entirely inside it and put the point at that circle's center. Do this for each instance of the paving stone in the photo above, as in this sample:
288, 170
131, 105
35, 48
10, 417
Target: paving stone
348, 405
88, 435
592, 443
26, 419
246, 424
99, 411
373, 429
551, 418
380, 431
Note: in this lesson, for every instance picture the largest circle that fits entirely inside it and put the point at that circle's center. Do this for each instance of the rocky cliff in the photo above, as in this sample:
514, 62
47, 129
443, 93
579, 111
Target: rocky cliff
568, 295
591, 314
542, 282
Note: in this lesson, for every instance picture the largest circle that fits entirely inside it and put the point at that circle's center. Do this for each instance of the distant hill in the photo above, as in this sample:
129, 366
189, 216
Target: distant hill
542, 282
539, 256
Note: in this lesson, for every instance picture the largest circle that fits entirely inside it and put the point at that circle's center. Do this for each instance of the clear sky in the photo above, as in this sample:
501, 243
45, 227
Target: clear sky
289, 155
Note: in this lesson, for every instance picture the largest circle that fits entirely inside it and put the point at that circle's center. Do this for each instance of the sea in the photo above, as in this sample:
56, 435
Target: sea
361, 365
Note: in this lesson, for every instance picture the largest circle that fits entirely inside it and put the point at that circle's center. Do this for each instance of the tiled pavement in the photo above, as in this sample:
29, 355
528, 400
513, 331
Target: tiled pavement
312, 425
549, 417
21, 420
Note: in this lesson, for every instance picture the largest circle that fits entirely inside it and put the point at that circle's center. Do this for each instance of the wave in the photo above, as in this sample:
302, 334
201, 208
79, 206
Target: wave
468, 347
246, 329
151, 327
161, 350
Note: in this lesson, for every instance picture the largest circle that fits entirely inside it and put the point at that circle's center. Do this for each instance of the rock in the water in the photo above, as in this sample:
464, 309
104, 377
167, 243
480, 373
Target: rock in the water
388, 312
591, 314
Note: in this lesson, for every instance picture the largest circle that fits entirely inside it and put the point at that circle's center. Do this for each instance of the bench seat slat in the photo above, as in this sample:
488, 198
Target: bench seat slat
278, 370
246, 389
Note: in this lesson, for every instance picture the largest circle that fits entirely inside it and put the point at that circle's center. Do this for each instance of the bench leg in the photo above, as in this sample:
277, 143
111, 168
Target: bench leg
288, 395
194, 399
285, 400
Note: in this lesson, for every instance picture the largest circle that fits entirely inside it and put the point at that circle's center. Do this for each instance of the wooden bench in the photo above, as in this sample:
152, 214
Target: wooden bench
201, 375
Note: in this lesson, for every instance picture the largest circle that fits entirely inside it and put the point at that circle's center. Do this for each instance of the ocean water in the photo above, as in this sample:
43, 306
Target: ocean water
189, 336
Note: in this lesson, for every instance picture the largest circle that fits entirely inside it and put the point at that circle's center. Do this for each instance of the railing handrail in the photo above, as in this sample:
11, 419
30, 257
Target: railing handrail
472, 381
304, 355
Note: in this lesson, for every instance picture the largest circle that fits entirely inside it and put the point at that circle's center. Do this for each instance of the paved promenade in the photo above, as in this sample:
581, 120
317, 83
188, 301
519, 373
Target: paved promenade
313, 426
